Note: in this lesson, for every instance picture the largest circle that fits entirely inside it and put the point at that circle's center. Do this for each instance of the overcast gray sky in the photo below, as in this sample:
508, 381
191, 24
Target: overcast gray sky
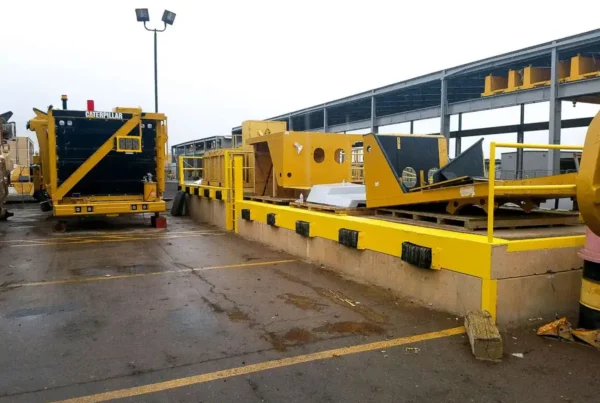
223, 62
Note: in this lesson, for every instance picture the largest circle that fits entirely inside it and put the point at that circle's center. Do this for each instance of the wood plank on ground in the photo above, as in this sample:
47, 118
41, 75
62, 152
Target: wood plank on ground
485, 339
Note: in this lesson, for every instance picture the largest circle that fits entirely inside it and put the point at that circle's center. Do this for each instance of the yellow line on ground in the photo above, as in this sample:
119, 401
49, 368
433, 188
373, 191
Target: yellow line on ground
155, 273
109, 235
107, 240
244, 265
262, 366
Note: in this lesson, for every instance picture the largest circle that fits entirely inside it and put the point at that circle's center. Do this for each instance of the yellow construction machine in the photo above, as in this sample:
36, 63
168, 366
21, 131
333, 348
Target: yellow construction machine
101, 163
7, 133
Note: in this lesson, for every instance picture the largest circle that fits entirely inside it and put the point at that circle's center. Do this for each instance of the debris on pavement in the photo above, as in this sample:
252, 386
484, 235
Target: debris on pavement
485, 339
518, 355
562, 329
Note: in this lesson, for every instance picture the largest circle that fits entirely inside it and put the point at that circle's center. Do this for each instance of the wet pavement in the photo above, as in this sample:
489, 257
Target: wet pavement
195, 314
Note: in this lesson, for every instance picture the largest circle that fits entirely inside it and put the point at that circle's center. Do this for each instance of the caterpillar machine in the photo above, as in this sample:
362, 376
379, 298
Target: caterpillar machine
100, 163
7, 133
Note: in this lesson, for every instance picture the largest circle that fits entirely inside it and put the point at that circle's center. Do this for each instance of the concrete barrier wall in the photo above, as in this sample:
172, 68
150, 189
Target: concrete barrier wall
204, 210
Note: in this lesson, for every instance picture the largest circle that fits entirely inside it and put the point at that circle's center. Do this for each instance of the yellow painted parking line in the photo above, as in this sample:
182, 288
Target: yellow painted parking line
107, 240
156, 273
108, 235
262, 366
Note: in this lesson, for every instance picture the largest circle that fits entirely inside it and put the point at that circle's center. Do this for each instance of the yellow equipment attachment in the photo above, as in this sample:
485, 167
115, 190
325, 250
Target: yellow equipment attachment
588, 179
409, 174
299, 160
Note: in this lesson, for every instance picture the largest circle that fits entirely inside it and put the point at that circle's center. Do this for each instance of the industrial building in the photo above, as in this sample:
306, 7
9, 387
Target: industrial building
563, 70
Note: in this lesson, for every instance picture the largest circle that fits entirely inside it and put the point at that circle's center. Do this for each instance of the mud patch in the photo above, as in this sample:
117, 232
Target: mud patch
340, 299
302, 302
78, 329
293, 337
237, 316
362, 328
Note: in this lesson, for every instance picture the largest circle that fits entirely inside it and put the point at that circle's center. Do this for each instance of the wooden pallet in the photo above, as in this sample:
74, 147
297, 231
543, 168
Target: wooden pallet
504, 218
334, 209
280, 201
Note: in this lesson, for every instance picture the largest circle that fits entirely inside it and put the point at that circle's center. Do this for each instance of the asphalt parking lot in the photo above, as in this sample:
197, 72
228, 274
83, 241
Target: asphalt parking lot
119, 311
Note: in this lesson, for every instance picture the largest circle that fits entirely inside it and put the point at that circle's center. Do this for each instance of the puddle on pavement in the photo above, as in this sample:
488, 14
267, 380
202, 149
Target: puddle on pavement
362, 328
302, 302
293, 337
41, 310
114, 270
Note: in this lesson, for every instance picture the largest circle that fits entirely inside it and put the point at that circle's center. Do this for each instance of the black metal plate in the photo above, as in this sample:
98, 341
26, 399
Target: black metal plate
117, 173
271, 219
420, 153
468, 163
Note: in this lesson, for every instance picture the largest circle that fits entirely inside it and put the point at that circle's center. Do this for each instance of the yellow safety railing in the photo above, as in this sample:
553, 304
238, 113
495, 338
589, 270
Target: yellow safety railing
492, 177
182, 168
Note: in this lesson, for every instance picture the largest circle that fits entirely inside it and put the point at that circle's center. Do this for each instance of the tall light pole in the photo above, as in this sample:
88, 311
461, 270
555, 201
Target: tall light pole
168, 17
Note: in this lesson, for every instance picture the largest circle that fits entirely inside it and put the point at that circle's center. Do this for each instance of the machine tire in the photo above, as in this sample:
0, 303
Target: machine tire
60, 226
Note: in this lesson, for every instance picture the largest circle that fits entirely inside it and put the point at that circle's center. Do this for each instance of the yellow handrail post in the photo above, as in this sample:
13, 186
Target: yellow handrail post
238, 181
180, 170
228, 201
491, 179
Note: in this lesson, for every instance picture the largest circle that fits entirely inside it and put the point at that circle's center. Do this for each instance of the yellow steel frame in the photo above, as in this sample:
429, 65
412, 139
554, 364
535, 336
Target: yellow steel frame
232, 189
109, 208
521, 189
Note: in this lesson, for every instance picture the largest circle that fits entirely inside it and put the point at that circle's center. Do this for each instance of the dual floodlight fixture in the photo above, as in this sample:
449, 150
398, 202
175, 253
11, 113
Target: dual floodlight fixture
143, 15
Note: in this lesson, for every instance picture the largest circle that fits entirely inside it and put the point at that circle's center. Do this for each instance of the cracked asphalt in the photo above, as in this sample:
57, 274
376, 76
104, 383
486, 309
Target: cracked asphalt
111, 306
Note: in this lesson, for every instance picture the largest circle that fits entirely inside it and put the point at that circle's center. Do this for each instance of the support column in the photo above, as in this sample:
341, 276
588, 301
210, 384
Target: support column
444, 117
325, 125
458, 140
307, 122
520, 140
374, 127
412, 127
290, 123
555, 117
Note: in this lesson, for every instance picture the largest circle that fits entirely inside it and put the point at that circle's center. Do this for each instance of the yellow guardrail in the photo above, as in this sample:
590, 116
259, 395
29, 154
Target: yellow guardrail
492, 177
181, 168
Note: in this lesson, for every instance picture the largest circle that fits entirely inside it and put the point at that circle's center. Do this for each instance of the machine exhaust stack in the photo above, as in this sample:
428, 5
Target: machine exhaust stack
64, 100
